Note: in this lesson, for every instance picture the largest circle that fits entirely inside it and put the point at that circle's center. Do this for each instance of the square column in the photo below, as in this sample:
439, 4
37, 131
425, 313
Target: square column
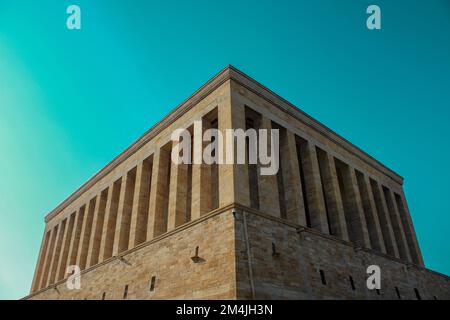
376, 220
141, 202
385, 220
122, 232
86, 234
48, 257
233, 179
269, 201
397, 225
41, 262
201, 174
295, 209
109, 224
416, 254
61, 269
159, 195
332, 195
97, 228
54, 255
313, 186
358, 219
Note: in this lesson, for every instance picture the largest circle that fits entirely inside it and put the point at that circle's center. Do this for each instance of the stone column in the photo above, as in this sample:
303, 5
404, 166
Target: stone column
295, 210
122, 233
358, 220
76, 234
201, 174
41, 261
334, 198
385, 220
397, 226
157, 222
97, 227
85, 234
375, 213
46, 263
314, 187
55, 255
139, 215
63, 226
48, 258
416, 254
110, 221
269, 201
65, 247
233, 179
178, 196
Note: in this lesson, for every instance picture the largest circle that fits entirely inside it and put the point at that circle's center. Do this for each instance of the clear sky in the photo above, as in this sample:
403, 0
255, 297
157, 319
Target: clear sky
72, 100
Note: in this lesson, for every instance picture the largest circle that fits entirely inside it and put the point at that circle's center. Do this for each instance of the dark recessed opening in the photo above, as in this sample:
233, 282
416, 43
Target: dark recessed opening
104, 296
152, 284
378, 292
322, 277
417, 294
352, 283
125, 292
398, 293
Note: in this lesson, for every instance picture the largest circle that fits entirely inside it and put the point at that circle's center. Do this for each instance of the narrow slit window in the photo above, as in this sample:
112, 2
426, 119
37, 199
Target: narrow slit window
152, 284
352, 283
398, 293
125, 292
103, 295
322, 277
417, 294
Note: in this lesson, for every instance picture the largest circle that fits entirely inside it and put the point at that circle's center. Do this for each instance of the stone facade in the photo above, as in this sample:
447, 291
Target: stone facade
146, 228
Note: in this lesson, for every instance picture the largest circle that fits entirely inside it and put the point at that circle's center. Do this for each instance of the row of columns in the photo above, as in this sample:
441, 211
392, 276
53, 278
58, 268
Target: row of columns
315, 189
152, 198
312, 188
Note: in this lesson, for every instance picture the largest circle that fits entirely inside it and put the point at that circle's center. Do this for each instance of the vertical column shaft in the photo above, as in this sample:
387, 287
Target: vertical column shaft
41, 261
295, 210
139, 216
46, 264
357, 220
376, 216
416, 254
269, 201
65, 247
55, 255
109, 224
76, 235
178, 195
122, 232
332, 195
86, 234
385, 221
48, 258
97, 227
201, 174
233, 179
157, 222
396, 225
313, 185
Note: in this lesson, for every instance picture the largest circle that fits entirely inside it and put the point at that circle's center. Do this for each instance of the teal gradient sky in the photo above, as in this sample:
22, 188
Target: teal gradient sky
72, 100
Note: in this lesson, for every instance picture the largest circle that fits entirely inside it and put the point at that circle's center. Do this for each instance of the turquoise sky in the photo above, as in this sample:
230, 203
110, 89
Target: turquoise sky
72, 100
